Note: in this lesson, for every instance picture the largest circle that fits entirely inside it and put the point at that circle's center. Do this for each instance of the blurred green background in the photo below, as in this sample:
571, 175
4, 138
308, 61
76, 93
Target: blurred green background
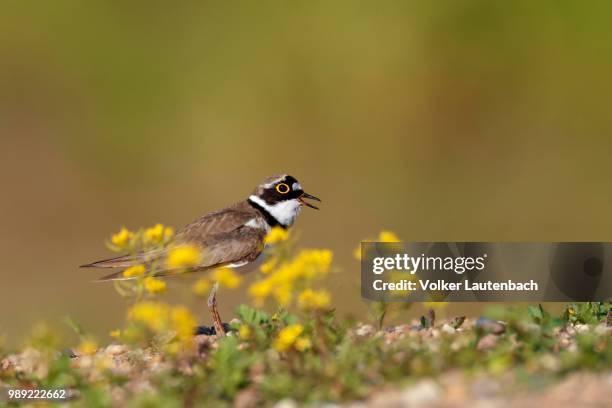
458, 120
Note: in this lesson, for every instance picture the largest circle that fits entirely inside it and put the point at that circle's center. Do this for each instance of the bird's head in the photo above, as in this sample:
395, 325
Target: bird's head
281, 197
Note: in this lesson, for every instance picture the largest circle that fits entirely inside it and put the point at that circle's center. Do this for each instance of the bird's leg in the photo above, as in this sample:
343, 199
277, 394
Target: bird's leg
212, 306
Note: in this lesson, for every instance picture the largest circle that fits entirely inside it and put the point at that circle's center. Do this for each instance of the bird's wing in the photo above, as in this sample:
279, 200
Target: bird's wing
200, 230
239, 246
218, 222
222, 235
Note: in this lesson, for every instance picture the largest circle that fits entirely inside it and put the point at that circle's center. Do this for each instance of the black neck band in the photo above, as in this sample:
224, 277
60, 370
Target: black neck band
272, 222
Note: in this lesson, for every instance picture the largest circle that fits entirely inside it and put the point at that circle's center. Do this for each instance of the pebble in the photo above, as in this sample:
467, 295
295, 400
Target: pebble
490, 326
422, 393
484, 387
286, 403
581, 328
448, 329
365, 330
115, 349
487, 342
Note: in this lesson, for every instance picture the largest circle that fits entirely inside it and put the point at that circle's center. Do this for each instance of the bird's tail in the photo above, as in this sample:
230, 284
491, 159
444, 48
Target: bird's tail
124, 261
145, 259
165, 273
115, 276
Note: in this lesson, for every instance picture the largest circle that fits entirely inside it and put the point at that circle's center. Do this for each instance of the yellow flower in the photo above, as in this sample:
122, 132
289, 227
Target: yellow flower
154, 233
392, 240
313, 300
87, 346
115, 334
276, 235
183, 322
158, 234
160, 317
286, 275
168, 232
287, 337
134, 271
173, 347
260, 291
184, 256
357, 253
313, 263
283, 295
383, 236
103, 362
154, 285
152, 314
268, 266
435, 305
122, 238
397, 277
201, 287
227, 278
302, 344
388, 236
244, 333
281, 280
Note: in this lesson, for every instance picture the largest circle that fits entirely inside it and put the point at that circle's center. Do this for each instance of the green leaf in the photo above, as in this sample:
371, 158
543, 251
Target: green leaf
457, 322
251, 316
535, 313
74, 325
424, 323
230, 366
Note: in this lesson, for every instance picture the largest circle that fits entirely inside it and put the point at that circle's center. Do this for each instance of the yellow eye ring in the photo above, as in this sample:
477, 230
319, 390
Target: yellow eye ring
282, 188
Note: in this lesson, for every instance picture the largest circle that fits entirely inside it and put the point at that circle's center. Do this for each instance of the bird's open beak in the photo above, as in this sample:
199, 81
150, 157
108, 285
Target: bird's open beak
307, 204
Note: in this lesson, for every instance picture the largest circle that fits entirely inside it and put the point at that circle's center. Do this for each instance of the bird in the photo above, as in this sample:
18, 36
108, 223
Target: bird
232, 237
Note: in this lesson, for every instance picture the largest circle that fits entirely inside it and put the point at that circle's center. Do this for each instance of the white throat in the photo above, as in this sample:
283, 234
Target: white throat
285, 212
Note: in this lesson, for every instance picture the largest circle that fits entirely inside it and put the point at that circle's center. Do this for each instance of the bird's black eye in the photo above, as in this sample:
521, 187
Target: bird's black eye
283, 188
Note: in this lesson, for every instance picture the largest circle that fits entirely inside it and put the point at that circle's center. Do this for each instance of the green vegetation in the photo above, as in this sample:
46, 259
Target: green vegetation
263, 360
303, 350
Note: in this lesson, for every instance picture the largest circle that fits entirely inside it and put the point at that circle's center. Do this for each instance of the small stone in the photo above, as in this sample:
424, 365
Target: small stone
485, 388
490, 326
116, 349
564, 340
581, 328
5, 364
247, 398
422, 393
365, 330
85, 362
487, 342
550, 362
404, 328
391, 337
448, 329
286, 403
